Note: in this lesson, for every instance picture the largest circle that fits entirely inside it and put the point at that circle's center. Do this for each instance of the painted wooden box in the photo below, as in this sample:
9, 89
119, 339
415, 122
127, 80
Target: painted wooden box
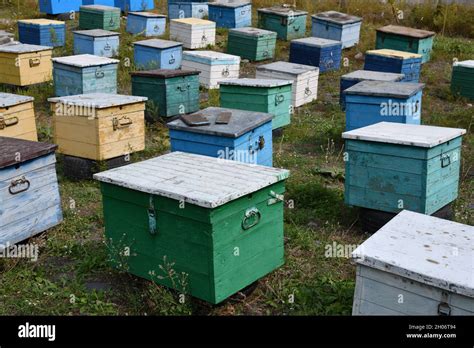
305, 79
29, 193
135, 5
262, 95
217, 223
187, 10
246, 137
43, 32
286, 22
99, 2
395, 166
99, 17
146, 23
397, 62
99, 126
157, 54
406, 39
337, 26
54, 7
193, 32
323, 53
97, 42
252, 43
416, 265
25, 64
17, 117
83, 74
231, 14
213, 66
462, 80
170, 92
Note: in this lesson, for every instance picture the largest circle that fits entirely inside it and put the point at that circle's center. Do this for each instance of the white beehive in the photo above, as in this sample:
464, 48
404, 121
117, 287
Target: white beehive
193, 32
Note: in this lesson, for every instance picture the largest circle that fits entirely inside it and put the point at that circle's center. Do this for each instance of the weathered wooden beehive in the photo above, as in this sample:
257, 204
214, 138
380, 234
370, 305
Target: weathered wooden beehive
462, 80
43, 32
262, 95
135, 5
238, 135
393, 61
288, 23
146, 23
24, 64
17, 117
231, 14
99, 2
29, 195
219, 230
405, 39
181, 9
83, 74
394, 166
157, 54
323, 53
337, 26
193, 32
171, 92
305, 79
98, 42
213, 66
99, 17
416, 265
252, 43
54, 7
99, 126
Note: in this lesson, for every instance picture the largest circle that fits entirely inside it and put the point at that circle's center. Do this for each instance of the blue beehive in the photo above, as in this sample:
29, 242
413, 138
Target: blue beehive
83, 74
337, 26
43, 32
180, 9
370, 102
135, 5
393, 61
231, 14
323, 53
99, 2
98, 42
54, 7
157, 54
146, 23
246, 137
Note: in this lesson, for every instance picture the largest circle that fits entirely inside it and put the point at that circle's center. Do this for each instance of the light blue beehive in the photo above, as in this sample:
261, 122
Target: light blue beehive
157, 54
99, 2
181, 9
54, 7
146, 23
43, 32
337, 26
98, 42
135, 5
235, 14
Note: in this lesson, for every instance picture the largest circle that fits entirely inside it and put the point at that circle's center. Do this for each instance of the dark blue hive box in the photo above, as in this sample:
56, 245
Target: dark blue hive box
323, 53
393, 61
43, 32
231, 14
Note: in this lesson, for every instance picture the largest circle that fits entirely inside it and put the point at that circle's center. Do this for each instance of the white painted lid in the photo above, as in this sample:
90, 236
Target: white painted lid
158, 43
211, 57
369, 75
8, 99
316, 42
465, 64
17, 47
193, 22
96, 33
287, 68
98, 100
85, 60
337, 17
256, 83
41, 21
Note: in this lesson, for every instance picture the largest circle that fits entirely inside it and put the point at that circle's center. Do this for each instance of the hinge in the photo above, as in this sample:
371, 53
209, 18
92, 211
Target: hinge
275, 198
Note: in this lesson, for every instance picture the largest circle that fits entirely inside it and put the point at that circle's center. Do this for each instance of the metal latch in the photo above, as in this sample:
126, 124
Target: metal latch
8, 122
444, 309
276, 198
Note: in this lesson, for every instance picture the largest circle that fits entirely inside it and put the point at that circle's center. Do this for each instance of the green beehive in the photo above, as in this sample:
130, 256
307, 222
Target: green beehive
462, 81
263, 95
252, 43
204, 226
99, 17
288, 23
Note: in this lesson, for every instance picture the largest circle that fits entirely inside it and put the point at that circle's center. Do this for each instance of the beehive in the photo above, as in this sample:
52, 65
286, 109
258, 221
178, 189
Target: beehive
246, 137
304, 77
233, 14
416, 265
337, 26
17, 117
405, 39
323, 53
397, 62
135, 5
197, 213
43, 32
157, 54
54, 7
29, 194
172, 92
99, 126
24, 64
83, 74
394, 166
286, 22
370, 102
462, 80
261, 95
252, 43
97, 42
99, 17
146, 23
213, 66
99, 2
187, 10
193, 32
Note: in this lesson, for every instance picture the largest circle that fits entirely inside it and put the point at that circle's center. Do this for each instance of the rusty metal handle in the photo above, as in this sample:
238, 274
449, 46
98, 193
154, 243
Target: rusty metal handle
19, 182
124, 122
99, 74
8, 122
35, 62
251, 218
279, 99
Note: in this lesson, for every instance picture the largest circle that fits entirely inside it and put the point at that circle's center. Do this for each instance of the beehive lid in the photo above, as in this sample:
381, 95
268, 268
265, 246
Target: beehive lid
41, 21
337, 17
394, 54
4, 33
282, 11
265, 83
405, 134
465, 64
147, 14
85, 60
158, 43
8, 99
193, 22
406, 31
99, 8
287, 68
240, 122
165, 73
96, 33
19, 48
210, 57
98, 100
385, 89
230, 3
425, 249
253, 32
373, 75
316, 42
16, 151
200, 180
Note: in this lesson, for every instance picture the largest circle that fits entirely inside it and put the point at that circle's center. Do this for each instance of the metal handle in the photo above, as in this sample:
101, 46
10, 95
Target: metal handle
19, 182
156, 28
444, 309
8, 122
279, 99
172, 60
416, 107
34, 62
124, 122
243, 12
111, 22
307, 92
201, 10
445, 160
107, 47
298, 29
99, 74
251, 218
261, 142
266, 53
226, 72
204, 38
183, 88
275, 198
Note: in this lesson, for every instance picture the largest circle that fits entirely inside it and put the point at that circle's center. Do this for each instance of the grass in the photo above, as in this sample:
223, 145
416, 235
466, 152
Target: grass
72, 275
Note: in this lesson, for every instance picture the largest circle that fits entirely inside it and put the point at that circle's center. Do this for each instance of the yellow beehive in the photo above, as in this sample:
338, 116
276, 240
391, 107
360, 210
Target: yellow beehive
17, 117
